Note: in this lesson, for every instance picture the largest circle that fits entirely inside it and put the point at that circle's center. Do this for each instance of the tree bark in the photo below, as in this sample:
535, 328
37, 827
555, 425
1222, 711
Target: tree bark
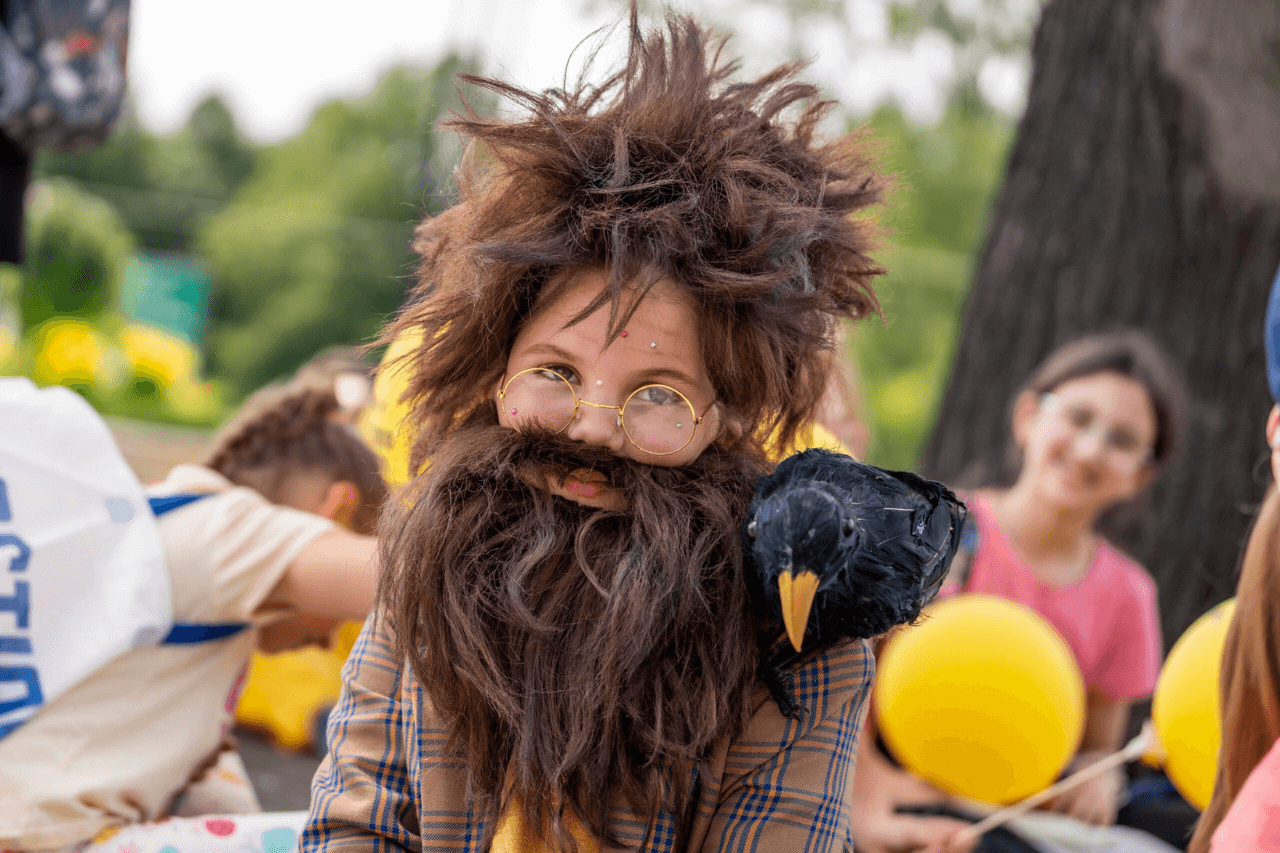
1143, 190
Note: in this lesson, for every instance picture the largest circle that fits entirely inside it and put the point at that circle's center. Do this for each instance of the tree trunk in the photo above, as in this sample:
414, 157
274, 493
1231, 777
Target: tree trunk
1143, 190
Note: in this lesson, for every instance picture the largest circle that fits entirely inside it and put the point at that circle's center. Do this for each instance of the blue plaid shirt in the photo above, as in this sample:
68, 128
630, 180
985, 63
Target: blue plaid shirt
781, 785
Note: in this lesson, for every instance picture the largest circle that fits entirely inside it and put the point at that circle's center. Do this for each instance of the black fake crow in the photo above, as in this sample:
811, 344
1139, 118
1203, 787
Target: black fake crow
837, 549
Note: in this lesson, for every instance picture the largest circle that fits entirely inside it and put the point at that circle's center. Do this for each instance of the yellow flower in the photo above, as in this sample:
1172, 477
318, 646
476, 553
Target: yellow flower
8, 342
69, 352
194, 400
160, 356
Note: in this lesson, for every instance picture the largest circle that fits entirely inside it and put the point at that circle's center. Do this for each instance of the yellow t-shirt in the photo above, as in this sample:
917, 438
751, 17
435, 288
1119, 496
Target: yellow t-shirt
385, 423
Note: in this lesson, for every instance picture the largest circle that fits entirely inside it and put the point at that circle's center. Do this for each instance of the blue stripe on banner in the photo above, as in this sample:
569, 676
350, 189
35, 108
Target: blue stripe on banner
189, 633
159, 506
15, 645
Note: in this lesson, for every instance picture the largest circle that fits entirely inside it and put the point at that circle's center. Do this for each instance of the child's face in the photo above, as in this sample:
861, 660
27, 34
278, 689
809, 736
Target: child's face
1087, 445
657, 353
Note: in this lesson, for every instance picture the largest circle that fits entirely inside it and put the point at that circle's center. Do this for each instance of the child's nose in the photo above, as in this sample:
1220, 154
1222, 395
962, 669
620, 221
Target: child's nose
1091, 444
599, 426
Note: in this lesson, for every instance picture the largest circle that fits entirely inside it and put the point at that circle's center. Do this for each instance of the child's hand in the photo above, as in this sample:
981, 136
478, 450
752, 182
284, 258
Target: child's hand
949, 844
296, 632
1095, 801
879, 788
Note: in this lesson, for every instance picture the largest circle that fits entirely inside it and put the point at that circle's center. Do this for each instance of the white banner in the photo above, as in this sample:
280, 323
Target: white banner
82, 573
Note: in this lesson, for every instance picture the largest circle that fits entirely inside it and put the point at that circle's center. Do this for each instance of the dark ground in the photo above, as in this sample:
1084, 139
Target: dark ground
281, 777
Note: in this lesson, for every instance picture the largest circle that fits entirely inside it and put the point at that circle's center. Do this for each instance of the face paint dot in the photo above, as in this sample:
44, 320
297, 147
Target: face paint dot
599, 382
515, 411
679, 426
624, 333
653, 345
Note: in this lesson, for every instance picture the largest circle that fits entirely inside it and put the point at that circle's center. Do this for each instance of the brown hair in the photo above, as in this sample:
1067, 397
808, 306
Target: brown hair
293, 430
667, 169
1250, 675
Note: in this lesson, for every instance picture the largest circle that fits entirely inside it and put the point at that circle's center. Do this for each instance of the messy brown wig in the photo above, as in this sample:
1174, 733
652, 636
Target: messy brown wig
284, 432
1250, 677
666, 169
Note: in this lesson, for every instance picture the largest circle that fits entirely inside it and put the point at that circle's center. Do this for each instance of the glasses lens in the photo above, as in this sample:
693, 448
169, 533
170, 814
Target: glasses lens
658, 419
539, 396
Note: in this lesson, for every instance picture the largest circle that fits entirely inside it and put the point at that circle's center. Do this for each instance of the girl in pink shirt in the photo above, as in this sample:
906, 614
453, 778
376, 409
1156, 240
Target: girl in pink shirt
1092, 428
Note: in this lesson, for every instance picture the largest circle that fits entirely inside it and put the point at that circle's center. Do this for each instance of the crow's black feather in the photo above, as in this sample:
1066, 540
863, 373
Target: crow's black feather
880, 543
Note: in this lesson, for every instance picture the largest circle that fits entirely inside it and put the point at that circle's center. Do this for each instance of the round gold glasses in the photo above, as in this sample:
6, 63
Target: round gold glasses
656, 418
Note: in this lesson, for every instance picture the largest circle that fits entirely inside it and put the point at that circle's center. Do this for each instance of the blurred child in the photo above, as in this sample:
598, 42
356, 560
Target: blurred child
1092, 428
261, 546
1244, 812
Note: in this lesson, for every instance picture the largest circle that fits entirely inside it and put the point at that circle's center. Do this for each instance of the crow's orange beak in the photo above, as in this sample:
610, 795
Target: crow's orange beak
796, 590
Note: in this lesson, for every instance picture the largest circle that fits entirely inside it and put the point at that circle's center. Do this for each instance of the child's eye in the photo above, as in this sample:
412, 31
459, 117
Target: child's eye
566, 373
1125, 442
658, 395
1079, 418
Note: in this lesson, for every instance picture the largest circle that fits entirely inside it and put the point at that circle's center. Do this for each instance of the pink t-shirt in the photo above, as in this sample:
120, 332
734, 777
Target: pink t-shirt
1253, 821
1110, 619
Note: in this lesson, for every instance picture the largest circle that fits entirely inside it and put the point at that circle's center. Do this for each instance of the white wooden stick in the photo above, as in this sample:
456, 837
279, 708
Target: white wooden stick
1131, 751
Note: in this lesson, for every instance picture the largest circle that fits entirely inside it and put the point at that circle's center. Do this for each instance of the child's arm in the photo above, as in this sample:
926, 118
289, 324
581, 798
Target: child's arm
1105, 725
363, 796
879, 788
785, 783
1096, 801
334, 575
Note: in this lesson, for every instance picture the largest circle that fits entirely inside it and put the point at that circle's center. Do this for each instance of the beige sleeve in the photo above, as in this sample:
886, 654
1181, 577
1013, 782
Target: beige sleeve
226, 553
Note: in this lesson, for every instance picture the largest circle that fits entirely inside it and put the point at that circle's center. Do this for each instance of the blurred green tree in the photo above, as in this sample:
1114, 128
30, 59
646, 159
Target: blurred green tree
76, 249
163, 186
936, 216
313, 249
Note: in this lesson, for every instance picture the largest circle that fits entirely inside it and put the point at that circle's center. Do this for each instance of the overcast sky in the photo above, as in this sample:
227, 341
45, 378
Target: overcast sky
274, 61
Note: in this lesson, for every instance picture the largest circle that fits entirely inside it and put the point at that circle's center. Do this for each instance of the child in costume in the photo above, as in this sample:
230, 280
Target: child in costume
1092, 428
1244, 812
637, 292
141, 738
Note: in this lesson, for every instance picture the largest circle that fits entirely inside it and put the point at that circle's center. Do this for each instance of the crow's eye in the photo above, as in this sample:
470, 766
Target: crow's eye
848, 526
752, 530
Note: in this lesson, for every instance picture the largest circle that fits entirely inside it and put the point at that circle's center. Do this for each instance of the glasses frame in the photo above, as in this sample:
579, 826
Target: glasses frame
578, 402
1053, 404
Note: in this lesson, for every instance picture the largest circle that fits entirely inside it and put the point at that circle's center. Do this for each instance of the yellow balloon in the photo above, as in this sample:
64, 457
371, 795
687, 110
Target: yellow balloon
1185, 707
983, 698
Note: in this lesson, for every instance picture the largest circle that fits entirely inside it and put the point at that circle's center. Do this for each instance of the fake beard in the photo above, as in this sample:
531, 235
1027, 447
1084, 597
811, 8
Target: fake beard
573, 653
